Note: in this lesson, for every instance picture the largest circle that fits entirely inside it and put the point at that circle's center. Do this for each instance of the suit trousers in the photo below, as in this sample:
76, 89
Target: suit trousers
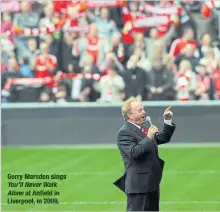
143, 202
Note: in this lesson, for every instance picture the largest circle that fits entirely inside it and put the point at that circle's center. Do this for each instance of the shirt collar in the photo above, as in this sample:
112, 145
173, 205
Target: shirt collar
139, 127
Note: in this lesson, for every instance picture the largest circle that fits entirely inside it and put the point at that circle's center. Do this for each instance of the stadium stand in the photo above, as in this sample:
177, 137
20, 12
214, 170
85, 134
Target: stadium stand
107, 51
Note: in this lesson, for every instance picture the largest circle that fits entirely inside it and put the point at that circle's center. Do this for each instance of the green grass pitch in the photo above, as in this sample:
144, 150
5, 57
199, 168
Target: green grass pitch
191, 180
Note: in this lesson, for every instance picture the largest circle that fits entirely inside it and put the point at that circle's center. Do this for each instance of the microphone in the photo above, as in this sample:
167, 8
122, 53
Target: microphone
148, 119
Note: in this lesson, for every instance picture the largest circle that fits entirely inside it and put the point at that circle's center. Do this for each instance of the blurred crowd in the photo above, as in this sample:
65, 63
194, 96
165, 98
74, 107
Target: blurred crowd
108, 51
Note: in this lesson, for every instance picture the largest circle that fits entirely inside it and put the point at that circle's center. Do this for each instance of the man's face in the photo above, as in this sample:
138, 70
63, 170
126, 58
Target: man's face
153, 33
137, 113
48, 10
44, 48
24, 6
44, 97
32, 44
6, 17
206, 40
104, 13
202, 70
133, 6
12, 64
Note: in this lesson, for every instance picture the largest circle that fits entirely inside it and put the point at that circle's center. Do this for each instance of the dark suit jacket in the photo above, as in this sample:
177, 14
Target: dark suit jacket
143, 167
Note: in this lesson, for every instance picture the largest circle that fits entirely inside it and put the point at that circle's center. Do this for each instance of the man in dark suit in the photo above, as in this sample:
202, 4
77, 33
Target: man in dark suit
138, 148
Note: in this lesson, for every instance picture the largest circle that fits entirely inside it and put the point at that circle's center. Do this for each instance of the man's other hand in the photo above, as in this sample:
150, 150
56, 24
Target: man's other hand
151, 132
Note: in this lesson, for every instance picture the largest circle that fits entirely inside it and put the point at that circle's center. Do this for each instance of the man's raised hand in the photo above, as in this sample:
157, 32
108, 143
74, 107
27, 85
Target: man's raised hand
168, 114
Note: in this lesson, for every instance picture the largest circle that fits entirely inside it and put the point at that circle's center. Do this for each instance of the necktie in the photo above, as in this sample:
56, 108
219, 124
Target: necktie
144, 130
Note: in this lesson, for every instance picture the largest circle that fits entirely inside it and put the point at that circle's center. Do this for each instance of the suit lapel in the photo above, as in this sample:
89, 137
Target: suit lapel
140, 133
135, 129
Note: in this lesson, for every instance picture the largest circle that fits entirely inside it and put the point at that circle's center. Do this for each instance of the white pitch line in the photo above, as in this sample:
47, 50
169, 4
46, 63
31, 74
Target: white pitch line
171, 145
